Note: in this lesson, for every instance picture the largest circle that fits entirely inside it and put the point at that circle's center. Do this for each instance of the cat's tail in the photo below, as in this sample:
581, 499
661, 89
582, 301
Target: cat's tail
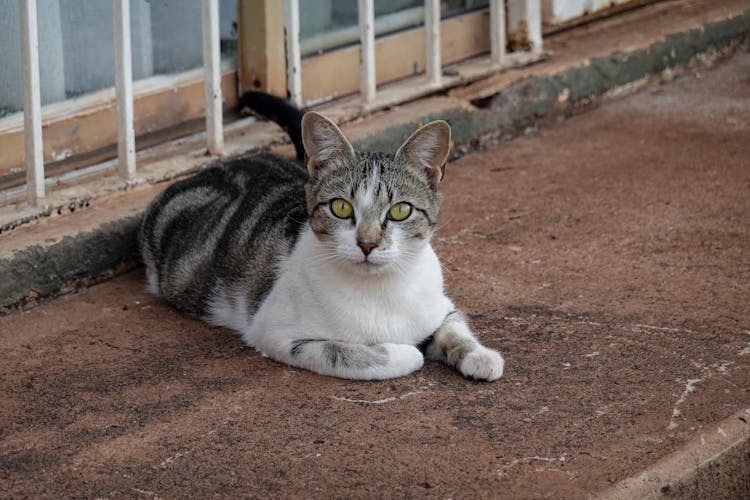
284, 113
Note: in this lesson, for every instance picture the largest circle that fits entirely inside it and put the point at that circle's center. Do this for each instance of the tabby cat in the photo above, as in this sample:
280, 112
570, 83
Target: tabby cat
323, 264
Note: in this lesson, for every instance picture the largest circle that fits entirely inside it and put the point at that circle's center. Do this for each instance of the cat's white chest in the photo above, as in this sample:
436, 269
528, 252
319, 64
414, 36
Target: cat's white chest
310, 301
400, 311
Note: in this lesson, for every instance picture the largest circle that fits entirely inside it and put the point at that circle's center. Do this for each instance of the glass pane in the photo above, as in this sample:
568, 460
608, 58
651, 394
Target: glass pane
451, 8
52, 84
11, 86
331, 24
88, 46
76, 47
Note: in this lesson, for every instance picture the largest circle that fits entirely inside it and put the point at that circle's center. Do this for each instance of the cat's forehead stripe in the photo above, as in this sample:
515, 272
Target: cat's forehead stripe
373, 182
370, 181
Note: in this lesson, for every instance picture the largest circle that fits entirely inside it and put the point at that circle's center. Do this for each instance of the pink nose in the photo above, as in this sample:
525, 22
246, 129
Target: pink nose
366, 246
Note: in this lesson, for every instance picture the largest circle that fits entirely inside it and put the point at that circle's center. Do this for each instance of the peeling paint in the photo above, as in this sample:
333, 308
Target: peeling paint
61, 155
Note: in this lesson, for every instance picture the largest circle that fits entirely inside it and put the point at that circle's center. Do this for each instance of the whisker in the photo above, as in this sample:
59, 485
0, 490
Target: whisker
322, 258
400, 268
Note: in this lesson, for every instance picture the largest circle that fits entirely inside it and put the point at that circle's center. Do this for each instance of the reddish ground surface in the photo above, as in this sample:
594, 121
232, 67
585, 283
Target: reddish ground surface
608, 258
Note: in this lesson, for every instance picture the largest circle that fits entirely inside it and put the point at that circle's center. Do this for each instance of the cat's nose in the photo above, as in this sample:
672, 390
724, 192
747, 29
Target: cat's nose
366, 246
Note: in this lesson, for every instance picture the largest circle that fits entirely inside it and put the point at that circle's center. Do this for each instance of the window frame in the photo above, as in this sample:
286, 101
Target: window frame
83, 131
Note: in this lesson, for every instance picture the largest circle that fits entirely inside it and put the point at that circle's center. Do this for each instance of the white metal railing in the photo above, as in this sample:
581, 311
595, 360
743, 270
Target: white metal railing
123, 91
530, 13
433, 50
212, 76
497, 32
366, 10
293, 55
32, 102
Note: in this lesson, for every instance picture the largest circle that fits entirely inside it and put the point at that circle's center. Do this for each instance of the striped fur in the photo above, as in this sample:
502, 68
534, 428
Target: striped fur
223, 230
254, 245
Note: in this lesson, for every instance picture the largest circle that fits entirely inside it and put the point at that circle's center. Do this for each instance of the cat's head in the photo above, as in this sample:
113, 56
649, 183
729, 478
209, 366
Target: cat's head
374, 212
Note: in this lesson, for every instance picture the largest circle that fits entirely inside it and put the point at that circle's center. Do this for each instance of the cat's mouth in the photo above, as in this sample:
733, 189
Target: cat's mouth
368, 263
357, 261
369, 266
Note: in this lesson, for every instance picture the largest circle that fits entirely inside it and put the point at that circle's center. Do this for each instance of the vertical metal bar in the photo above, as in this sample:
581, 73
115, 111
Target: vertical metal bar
124, 89
366, 11
534, 23
497, 31
293, 56
32, 103
433, 66
212, 77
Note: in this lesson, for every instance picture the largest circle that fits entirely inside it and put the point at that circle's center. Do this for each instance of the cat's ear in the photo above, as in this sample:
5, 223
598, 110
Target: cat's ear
323, 142
428, 148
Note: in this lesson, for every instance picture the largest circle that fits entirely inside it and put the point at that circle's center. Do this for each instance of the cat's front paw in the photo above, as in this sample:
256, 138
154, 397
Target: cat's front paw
483, 364
403, 359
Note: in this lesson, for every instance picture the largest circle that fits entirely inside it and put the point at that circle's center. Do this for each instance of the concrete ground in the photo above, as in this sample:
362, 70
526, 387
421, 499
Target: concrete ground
608, 258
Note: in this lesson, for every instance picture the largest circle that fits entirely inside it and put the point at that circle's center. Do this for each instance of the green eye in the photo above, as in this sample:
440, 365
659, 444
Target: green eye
342, 208
399, 211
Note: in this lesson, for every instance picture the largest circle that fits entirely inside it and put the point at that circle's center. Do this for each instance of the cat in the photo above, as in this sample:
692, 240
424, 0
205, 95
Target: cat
322, 263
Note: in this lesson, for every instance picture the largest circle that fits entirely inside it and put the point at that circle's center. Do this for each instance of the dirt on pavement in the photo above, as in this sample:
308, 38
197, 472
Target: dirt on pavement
608, 258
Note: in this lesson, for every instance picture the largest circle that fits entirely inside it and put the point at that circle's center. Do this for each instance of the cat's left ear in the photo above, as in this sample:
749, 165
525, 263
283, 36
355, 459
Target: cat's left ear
428, 148
324, 142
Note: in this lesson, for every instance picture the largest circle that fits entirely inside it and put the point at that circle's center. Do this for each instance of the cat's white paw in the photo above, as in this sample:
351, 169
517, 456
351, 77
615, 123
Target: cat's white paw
402, 360
483, 364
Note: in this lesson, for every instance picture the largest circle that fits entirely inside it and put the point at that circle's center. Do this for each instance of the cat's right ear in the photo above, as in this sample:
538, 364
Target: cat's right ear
428, 148
324, 142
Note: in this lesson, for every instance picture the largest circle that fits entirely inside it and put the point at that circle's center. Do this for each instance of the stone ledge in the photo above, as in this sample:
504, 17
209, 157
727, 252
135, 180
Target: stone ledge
716, 463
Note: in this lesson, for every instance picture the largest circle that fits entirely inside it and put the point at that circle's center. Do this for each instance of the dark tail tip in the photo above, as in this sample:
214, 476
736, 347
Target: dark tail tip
284, 113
